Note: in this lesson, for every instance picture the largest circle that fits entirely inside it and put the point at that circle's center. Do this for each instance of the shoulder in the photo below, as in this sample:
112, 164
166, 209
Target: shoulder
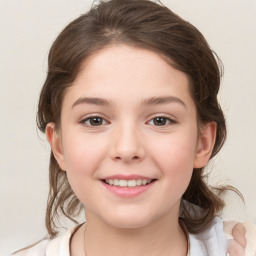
56, 246
211, 241
37, 249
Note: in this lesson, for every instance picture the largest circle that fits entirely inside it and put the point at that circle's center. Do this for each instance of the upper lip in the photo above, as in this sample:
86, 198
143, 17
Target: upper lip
127, 177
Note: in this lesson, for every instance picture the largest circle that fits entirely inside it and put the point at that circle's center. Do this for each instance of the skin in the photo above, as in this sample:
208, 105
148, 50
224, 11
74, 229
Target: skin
128, 141
236, 245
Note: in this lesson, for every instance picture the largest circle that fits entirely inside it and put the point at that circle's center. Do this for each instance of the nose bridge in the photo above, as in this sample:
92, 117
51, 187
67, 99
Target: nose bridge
127, 144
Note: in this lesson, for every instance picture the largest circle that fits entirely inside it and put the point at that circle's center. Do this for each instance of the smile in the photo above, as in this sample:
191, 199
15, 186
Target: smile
128, 183
128, 186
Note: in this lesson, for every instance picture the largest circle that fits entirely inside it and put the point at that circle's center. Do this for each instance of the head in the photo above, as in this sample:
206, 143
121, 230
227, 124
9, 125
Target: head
140, 24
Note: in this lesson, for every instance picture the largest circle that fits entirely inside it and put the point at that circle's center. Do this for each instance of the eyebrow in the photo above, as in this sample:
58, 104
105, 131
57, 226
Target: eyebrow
150, 101
163, 100
93, 101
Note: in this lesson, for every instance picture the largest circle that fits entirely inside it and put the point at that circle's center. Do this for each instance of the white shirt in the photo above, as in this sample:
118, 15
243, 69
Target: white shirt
212, 242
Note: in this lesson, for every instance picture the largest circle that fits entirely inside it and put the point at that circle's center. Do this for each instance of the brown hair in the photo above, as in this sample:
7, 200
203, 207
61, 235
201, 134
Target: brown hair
144, 24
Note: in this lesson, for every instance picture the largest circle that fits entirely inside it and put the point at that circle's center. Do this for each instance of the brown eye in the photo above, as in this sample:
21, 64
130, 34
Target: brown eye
94, 121
161, 121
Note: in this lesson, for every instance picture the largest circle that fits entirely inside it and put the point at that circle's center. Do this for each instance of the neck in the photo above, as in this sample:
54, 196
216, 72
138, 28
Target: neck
156, 239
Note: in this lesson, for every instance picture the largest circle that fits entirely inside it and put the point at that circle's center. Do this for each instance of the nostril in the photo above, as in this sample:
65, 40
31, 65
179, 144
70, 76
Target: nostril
126, 158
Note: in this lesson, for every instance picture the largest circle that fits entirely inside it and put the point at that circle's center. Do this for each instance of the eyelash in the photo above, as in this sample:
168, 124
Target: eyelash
167, 119
90, 118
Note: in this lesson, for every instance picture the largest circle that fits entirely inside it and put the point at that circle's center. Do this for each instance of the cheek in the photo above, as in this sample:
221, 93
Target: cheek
175, 158
82, 158
177, 150
82, 155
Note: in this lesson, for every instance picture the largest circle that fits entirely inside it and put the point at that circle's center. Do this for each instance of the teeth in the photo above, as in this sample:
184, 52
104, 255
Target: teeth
139, 182
131, 183
123, 183
128, 183
144, 182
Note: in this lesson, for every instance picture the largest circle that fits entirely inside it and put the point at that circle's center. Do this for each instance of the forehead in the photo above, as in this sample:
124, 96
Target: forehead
121, 71
128, 58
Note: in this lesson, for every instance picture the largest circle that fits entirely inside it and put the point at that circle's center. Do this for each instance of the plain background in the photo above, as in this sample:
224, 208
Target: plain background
28, 27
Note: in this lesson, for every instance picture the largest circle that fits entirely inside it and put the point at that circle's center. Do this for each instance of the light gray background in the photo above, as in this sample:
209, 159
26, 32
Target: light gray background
28, 27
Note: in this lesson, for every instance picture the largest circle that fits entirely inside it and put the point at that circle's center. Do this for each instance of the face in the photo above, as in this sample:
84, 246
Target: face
129, 137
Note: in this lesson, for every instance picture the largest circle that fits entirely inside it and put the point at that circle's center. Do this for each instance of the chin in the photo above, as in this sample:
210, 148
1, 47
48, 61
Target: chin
129, 224
130, 221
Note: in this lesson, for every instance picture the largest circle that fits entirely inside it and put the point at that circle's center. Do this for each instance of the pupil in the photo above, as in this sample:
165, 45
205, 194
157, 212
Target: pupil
96, 121
159, 121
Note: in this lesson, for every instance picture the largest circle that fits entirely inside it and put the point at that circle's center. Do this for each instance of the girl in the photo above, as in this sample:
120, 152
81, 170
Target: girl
130, 109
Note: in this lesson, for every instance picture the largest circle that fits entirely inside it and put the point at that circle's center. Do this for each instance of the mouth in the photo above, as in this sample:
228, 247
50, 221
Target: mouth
128, 183
128, 186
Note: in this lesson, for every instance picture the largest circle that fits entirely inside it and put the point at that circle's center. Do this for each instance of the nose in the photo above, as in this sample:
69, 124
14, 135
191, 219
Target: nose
127, 144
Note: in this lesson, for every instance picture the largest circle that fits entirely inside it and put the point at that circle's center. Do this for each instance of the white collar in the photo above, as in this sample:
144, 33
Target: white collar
211, 242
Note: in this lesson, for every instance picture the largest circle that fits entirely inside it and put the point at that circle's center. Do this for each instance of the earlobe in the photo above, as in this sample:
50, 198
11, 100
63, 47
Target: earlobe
54, 139
205, 144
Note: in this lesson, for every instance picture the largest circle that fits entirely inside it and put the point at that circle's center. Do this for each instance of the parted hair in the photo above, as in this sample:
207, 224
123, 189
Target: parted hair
149, 25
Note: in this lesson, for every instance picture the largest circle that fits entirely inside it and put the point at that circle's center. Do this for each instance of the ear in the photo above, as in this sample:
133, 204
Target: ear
205, 144
54, 138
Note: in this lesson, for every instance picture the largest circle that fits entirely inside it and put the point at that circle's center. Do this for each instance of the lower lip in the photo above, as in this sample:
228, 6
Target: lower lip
128, 191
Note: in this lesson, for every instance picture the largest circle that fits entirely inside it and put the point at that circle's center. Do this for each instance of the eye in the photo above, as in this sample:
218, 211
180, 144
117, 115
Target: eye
161, 121
94, 121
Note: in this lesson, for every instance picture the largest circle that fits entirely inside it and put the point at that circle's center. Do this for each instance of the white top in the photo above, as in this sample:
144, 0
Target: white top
212, 242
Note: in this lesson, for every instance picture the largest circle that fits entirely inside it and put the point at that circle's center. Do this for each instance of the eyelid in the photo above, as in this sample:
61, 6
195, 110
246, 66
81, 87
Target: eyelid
87, 117
170, 119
